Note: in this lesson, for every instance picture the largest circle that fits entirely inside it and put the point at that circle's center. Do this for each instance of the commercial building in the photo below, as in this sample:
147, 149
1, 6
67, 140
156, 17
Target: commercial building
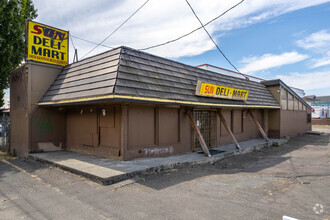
126, 104
297, 91
320, 106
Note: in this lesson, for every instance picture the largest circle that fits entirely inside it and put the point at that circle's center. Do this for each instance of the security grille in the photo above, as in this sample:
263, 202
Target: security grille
206, 122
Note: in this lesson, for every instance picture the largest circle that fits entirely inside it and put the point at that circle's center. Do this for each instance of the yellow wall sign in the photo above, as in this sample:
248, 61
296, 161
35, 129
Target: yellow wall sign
47, 44
217, 91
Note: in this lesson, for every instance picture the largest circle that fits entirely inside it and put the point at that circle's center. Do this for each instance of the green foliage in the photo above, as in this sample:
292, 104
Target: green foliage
13, 14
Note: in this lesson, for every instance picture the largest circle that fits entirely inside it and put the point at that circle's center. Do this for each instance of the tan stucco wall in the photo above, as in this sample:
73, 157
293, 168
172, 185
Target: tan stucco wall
33, 128
287, 123
85, 123
19, 113
294, 122
47, 124
19, 132
48, 129
274, 118
141, 130
151, 115
250, 130
156, 131
283, 123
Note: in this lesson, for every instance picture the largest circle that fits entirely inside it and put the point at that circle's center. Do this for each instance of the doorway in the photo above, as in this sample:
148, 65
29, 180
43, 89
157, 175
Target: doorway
206, 121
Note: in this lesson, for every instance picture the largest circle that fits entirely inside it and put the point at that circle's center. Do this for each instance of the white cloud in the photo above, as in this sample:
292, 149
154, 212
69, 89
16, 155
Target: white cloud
268, 61
310, 82
324, 61
319, 41
157, 22
319, 44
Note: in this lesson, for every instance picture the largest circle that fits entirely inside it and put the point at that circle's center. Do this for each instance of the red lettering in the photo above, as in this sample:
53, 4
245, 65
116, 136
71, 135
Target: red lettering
206, 90
37, 28
211, 90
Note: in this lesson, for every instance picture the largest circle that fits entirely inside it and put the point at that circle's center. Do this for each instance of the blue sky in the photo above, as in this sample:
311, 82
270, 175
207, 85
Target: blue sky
268, 39
277, 36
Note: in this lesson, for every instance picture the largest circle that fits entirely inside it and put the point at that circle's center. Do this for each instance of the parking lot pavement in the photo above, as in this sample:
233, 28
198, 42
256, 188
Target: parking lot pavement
291, 179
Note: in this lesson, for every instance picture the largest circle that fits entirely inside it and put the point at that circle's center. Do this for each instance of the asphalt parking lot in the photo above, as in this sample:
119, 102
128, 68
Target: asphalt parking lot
291, 179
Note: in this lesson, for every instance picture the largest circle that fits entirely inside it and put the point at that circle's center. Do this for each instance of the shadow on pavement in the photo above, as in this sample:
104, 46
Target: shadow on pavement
246, 163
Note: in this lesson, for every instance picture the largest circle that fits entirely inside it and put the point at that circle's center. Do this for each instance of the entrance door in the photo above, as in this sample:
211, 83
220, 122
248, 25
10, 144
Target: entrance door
206, 122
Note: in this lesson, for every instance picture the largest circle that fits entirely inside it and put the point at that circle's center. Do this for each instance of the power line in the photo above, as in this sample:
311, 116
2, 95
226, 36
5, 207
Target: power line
117, 28
88, 41
191, 32
72, 42
212, 39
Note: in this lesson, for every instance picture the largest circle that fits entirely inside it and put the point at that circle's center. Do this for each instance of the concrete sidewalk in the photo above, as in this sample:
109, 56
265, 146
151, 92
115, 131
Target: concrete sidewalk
107, 171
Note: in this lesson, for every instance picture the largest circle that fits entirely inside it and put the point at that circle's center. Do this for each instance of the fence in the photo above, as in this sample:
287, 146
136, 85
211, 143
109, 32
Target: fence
4, 131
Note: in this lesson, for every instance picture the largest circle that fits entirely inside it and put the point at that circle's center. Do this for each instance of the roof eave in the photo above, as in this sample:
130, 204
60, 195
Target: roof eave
138, 99
281, 83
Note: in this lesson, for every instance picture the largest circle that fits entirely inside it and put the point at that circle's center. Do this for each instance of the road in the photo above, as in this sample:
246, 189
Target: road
292, 180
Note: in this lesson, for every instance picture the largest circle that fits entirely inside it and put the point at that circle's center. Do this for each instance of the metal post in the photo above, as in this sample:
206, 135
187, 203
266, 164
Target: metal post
228, 129
75, 57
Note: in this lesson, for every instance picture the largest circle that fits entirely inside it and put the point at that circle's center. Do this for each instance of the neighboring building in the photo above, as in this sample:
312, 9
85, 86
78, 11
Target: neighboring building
216, 69
299, 92
320, 105
229, 72
127, 104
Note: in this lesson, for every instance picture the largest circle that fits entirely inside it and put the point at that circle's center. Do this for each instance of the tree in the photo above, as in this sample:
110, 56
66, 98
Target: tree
13, 14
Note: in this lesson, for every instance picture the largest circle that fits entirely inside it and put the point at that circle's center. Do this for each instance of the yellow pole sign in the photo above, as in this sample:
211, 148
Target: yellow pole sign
217, 91
47, 44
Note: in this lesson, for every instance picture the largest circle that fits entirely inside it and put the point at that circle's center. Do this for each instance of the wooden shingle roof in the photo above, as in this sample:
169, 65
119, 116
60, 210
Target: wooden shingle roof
125, 74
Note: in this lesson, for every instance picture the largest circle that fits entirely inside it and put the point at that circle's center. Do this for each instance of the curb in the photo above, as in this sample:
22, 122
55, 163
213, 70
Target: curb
160, 168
